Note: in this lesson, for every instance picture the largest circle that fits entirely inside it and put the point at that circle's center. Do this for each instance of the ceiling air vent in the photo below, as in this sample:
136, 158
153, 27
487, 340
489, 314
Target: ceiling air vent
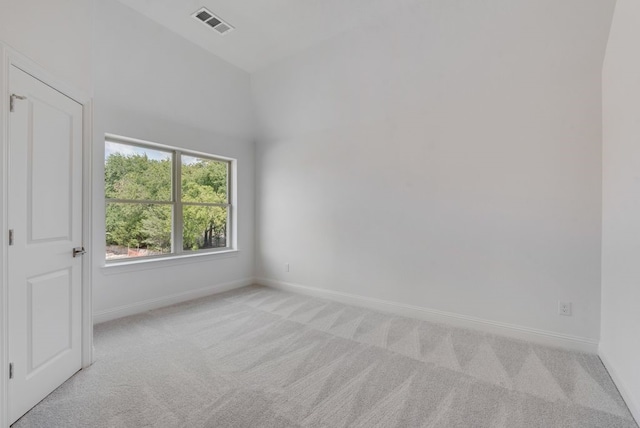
205, 16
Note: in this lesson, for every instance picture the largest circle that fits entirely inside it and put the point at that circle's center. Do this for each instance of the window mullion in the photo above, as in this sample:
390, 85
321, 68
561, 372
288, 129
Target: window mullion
205, 204
228, 232
138, 201
156, 210
177, 203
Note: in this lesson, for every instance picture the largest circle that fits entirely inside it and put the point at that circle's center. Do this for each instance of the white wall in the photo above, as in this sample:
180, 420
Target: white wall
448, 158
153, 85
620, 339
55, 33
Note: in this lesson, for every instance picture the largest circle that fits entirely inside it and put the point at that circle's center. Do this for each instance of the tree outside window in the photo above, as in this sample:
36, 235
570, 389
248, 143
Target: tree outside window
164, 201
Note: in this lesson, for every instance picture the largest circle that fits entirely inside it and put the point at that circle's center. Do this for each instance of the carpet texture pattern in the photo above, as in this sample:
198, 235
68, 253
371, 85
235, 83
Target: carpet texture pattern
258, 357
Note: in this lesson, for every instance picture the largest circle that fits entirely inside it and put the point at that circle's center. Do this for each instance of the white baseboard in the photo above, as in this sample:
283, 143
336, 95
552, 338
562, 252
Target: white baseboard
633, 403
543, 337
159, 302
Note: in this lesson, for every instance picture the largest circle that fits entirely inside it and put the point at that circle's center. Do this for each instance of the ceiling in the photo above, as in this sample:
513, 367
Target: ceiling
265, 30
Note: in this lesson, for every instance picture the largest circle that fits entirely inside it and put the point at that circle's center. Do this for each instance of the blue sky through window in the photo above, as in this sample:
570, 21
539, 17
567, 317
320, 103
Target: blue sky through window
111, 148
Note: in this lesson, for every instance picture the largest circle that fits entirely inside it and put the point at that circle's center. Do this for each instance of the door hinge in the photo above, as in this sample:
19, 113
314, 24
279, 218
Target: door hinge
10, 236
10, 370
12, 100
78, 251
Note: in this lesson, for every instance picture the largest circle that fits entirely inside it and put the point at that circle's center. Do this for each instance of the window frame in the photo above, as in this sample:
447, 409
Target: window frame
176, 203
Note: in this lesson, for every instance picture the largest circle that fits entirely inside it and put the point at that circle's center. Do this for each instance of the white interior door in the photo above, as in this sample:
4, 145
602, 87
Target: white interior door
45, 217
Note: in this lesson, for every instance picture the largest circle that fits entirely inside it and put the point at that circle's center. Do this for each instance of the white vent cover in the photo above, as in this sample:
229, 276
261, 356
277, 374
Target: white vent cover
207, 17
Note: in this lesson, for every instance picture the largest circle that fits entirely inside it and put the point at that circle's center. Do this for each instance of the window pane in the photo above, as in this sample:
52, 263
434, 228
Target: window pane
132, 172
204, 180
137, 230
204, 227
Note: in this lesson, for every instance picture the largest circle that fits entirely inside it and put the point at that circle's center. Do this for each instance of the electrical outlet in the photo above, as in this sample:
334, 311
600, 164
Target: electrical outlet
564, 308
286, 267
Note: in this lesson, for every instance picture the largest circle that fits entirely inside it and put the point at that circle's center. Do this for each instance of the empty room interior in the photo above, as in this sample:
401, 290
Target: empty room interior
303, 213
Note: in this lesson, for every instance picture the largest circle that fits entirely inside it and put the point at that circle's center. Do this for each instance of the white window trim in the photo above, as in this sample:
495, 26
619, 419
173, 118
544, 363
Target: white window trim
178, 255
135, 264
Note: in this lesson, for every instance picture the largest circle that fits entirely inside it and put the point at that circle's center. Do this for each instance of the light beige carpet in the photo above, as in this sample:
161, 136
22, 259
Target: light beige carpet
258, 357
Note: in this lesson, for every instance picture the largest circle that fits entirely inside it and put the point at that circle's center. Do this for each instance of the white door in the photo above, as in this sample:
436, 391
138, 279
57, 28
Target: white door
45, 217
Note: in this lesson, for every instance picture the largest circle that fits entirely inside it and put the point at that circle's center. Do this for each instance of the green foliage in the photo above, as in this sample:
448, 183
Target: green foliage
203, 227
136, 177
210, 176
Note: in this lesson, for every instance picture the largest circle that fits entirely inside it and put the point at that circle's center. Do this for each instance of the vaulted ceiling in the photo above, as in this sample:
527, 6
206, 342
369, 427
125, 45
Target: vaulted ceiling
265, 30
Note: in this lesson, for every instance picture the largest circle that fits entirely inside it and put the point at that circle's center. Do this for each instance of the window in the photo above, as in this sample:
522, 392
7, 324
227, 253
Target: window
162, 200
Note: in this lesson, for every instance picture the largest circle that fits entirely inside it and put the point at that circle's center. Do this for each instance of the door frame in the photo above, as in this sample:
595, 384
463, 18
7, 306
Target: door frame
8, 58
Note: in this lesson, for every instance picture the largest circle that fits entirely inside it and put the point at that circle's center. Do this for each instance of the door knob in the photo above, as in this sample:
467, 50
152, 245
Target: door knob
78, 251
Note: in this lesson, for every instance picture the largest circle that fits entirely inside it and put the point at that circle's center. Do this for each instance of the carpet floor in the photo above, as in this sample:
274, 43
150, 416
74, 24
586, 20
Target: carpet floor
257, 357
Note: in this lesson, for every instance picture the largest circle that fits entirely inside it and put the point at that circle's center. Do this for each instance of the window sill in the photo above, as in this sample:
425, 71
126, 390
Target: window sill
119, 267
